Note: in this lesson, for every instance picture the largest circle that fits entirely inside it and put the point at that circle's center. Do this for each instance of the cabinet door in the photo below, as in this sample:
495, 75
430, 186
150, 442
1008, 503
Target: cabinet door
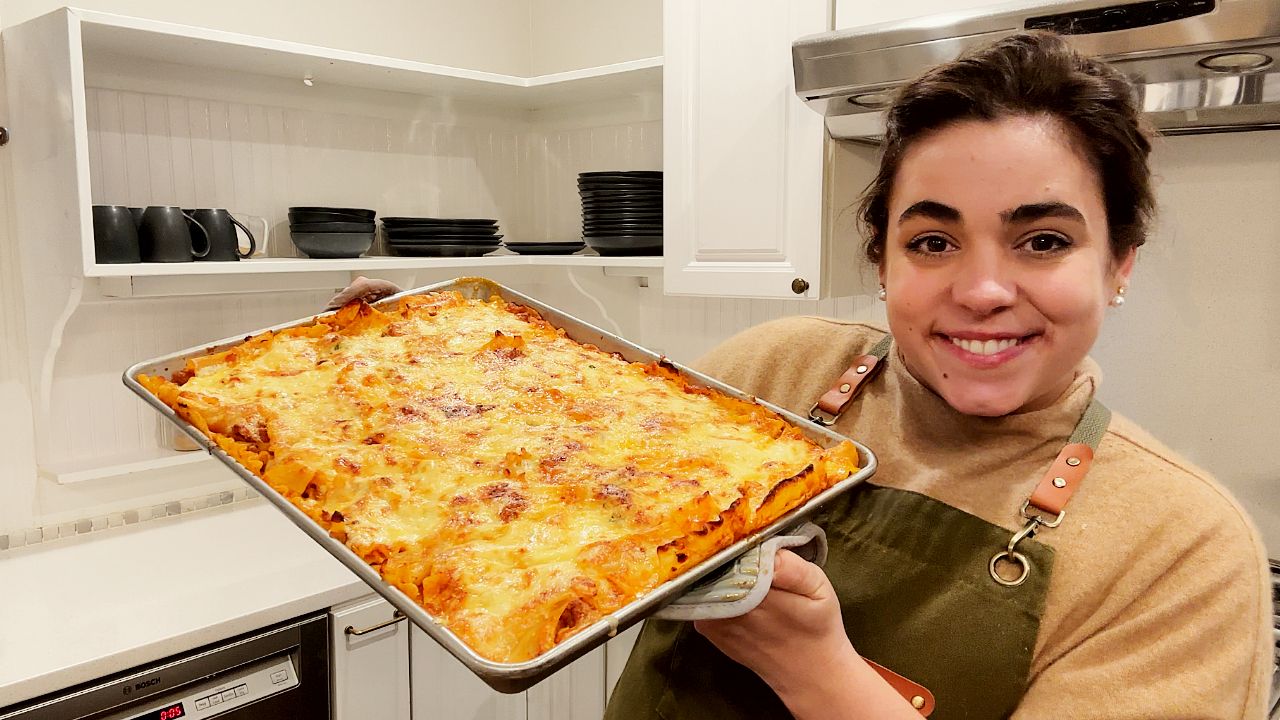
576, 692
370, 668
444, 689
742, 155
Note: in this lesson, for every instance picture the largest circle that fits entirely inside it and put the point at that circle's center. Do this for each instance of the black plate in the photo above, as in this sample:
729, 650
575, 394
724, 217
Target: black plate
623, 241
622, 174
409, 221
638, 216
436, 230
598, 231
621, 194
433, 250
359, 212
611, 205
545, 248
610, 185
446, 240
628, 251
324, 227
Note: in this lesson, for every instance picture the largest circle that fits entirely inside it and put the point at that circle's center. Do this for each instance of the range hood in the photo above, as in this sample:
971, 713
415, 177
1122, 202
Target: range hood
1199, 66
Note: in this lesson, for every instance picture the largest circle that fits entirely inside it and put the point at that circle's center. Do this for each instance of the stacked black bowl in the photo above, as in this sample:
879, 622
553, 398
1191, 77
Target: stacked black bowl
622, 211
441, 237
330, 232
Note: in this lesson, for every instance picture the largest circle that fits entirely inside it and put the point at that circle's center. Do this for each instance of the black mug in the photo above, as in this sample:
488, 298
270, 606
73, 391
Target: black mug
220, 226
165, 236
115, 236
137, 215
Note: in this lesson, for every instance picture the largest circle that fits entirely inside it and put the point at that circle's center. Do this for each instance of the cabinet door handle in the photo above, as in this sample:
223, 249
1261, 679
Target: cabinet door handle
397, 617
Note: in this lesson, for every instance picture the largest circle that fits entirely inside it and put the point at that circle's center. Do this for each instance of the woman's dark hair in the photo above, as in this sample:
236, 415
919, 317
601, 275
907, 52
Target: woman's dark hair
1029, 74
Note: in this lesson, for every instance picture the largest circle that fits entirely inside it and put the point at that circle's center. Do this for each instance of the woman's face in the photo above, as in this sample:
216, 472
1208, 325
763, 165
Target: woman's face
997, 264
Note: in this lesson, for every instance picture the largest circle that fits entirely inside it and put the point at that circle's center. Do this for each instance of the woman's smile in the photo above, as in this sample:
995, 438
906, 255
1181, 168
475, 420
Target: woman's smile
985, 350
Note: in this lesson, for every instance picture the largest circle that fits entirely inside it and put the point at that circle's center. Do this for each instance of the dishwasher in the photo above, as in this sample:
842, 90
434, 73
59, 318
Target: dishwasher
276, 672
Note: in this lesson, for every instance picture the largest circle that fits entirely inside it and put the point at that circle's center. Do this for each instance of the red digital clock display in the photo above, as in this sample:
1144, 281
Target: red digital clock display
166, 713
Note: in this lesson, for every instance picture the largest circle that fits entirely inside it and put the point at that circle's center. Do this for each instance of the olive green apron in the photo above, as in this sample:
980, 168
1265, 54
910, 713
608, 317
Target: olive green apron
917, 596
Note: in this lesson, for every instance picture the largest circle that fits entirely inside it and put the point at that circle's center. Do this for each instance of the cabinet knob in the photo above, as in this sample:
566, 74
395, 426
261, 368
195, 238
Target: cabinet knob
799, 286
4, 136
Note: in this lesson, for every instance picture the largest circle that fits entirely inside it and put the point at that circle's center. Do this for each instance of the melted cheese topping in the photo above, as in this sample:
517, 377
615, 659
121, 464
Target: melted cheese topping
517, 484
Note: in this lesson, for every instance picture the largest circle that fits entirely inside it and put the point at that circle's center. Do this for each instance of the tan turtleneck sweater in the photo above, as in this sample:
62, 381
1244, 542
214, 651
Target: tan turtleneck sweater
1159, 604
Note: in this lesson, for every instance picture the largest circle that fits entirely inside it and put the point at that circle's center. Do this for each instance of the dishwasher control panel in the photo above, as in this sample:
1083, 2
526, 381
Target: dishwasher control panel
226, 693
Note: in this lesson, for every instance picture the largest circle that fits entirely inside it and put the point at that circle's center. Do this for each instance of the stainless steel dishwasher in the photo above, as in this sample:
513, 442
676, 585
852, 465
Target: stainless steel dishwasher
277, 672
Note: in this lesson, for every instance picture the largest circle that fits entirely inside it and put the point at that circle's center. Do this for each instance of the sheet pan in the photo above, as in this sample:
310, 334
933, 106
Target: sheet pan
511, 677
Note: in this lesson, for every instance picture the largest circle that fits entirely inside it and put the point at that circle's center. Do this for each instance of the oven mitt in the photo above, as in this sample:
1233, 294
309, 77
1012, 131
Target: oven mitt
362, 288
740, 586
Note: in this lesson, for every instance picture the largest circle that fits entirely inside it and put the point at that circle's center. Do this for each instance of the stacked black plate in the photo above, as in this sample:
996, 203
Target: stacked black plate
441, 237
622, 211
331, 232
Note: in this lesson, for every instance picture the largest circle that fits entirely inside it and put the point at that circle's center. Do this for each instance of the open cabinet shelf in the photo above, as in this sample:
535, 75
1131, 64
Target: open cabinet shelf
114, 36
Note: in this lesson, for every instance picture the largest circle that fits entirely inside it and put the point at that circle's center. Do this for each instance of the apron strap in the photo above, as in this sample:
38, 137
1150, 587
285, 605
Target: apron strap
1047, 504
864, 369
915, 693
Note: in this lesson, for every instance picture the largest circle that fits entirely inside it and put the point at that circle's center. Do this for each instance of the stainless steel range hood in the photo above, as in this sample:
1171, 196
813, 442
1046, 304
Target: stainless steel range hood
1200, 66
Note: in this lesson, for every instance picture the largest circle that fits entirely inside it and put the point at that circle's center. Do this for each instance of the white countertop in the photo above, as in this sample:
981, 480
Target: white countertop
71, 611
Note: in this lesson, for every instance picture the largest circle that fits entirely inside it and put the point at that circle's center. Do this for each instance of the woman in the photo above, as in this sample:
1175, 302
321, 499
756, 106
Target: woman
1011, 199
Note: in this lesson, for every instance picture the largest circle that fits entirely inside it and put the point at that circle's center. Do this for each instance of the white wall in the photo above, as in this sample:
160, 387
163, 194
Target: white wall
603, 32
16, 440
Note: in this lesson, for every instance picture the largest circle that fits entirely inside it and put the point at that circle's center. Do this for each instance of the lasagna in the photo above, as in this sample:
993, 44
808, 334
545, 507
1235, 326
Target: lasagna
515, 483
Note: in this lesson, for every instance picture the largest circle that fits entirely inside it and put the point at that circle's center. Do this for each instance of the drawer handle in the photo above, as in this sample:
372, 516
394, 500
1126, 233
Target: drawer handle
397, 617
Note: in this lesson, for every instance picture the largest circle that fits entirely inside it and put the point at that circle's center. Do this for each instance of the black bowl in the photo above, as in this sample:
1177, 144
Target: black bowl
332, 245
358, 212
332, 227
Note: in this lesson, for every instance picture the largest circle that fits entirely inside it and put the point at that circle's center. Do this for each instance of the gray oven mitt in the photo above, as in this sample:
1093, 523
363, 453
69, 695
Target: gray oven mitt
740, 586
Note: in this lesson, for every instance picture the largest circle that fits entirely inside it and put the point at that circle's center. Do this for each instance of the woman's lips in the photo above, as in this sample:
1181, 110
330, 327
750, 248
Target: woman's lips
986, 353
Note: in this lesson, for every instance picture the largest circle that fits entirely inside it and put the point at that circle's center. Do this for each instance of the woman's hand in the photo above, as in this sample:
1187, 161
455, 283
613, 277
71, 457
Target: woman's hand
794, 631
795, 641
362, 288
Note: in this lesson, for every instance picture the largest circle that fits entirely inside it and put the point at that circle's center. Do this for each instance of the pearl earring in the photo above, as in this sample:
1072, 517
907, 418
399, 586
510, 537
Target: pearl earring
1118, 300
882, 294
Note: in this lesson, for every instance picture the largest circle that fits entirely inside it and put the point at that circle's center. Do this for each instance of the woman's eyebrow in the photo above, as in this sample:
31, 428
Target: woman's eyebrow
931, 209
1039, 211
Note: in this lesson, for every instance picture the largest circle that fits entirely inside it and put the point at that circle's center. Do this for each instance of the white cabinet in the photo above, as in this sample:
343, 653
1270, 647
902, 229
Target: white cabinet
742, 155
370, 668
443, 689
384, 667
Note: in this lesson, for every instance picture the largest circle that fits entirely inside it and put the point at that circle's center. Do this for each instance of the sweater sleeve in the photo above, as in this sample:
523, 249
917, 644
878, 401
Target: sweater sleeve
1192, 643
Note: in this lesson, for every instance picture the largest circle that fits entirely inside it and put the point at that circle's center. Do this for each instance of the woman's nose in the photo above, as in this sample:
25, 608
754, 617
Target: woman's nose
984, 283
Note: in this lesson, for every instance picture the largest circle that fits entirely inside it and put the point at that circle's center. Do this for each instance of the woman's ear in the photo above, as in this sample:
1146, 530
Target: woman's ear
1124, 268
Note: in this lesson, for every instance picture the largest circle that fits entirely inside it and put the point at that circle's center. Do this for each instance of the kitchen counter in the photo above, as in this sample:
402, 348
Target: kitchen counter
71, 611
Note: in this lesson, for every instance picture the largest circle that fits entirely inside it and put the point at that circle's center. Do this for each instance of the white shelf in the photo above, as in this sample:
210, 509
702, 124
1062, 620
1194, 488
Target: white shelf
143, 280
106, 35
73, 472
255, 266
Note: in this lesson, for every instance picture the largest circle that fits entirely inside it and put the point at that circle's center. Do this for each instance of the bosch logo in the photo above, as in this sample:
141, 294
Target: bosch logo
141, 685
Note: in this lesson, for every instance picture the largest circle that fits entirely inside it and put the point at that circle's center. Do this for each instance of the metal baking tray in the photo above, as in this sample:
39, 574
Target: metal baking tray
512, 677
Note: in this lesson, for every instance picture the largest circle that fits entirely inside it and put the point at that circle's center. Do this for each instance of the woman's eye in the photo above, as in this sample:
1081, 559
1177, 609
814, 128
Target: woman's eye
929, 244
1047, 243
